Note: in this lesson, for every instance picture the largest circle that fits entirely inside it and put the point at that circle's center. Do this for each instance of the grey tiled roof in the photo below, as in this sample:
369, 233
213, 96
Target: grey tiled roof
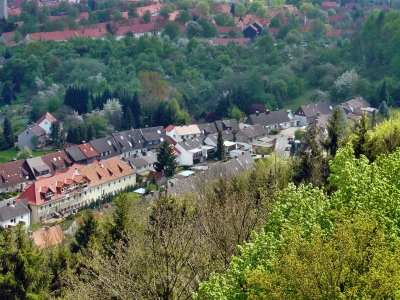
105, 144
191, 144
14, 210
254, 131
154, 134
37, 130
310, 110
264, 119
208, 128
13, 173
75, 153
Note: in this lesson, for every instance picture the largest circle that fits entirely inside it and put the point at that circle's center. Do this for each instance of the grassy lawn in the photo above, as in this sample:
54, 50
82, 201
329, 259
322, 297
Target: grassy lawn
8, 155
303, 99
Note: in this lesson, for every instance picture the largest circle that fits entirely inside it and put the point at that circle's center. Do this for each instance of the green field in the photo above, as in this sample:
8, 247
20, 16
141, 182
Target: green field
8, 155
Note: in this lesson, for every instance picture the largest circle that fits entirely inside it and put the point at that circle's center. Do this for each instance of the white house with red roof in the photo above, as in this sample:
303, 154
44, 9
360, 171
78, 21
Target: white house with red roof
80, 185
184, 132
45, 122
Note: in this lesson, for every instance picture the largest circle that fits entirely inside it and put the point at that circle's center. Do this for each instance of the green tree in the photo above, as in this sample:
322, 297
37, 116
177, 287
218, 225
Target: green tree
86, 233
335, 132
361, 136
90, 132
55, 135
240, 10
122, 221
8, 134
172, 30
132, 12
7, 94
384, 110
24, 153
220, 147
384, 93
147, 17
24, 274
166, 160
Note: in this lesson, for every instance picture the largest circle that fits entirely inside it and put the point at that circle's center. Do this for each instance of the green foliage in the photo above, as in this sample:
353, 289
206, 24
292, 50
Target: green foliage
24, 153
86, 233
166, 160
220, 153
172, 30
24, 274
7, 135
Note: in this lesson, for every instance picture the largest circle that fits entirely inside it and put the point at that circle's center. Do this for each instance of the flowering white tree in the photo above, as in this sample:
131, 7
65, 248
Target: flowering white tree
112, 111
344, 83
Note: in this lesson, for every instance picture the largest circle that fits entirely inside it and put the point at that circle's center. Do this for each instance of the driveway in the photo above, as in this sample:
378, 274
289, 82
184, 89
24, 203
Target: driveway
283, 142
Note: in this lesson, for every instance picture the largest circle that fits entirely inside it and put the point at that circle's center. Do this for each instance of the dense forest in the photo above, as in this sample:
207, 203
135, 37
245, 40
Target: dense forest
182, 78
323, 224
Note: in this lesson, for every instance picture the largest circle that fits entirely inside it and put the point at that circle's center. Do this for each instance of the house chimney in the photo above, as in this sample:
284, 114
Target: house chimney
8, 203
47, 228
317, 114
14, 202
267, 112
257, 113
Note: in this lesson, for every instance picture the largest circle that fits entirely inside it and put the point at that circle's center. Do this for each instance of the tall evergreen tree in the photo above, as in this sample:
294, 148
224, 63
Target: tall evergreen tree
90, 132
166, 160
232, 11
220, 146
129, 120
8, 133
384, 110
23, 273
55, 135
360, 131
7, 94
85, 233
335, 131
384, 93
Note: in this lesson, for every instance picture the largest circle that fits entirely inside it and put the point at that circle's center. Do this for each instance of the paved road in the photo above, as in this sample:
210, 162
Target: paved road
282, 141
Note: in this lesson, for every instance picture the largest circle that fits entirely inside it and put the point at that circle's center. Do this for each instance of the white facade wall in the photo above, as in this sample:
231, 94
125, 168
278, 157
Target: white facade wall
46, 125
24, 139
185, 157
26, 218
80, 198
302, 119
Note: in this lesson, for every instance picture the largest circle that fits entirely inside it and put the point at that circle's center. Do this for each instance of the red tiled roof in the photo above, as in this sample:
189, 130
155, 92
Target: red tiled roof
328, 4
152, 8
221, 8
12, 43
226, 29
15, 11
36, 192
334, 32
307, 26
49, 236
84, 15
88, 150
273, 31
47, 116
92, 32
153, 174
335, 18
136, 29
53, 18
53, 36
15, 3
352, 4
8, 35
227, 40
169, 128
250, 19
171, 141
